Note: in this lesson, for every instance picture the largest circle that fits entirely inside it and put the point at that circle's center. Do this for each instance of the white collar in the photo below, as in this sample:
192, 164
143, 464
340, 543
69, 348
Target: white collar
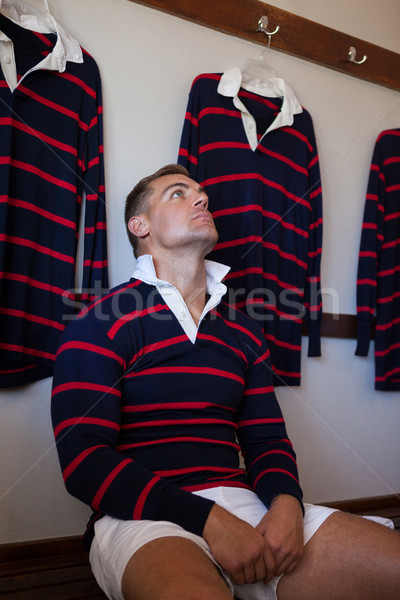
66, 48
145, 271
229, 86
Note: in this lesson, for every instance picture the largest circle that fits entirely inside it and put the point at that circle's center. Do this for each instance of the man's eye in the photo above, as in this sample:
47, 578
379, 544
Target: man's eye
177, 193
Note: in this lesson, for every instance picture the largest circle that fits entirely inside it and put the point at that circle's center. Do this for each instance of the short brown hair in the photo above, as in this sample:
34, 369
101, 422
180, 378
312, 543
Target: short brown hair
137, 200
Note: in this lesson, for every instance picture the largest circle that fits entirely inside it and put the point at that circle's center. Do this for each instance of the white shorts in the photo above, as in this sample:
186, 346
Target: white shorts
116, 541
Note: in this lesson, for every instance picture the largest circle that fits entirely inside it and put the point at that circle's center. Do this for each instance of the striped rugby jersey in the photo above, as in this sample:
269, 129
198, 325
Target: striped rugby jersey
378, 279
267, 208
142, 416
51, 154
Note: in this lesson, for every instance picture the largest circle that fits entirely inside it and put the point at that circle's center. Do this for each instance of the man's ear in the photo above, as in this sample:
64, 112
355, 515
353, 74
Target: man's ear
138, 226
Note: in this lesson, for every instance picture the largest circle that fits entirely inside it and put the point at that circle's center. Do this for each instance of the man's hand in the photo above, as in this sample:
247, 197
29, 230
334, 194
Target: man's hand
282, 528
241, 550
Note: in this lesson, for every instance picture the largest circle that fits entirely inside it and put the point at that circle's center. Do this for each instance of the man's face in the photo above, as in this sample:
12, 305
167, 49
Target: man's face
178, 214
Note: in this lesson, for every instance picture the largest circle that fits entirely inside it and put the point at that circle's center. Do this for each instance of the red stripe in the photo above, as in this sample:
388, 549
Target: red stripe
388, 374
43, 38
174, 405
212, 338
168, 422
370, 226
207, 485
18, 164
263, 357
365, 309
54, 106
85, 385
39, 211
77, 461
95, 264
261, 390
258, 239
24, 350
158, 346
177, 440
107, 482
265, 213
213, 110
284, 159
191, 370
283, 373
244, 330
299, 135
42, 136
388, 298
387, 325
245, 176
130, 286
281, 343
134, 315
84, 421
79, 82
387, 350
35, 283
271, 276
91, 348
192, 119
366, 282
185, 153
29, 244
367, 254
218, 145
260, 422
13, 312
172, 472
265, 306
393, 188
138, 511
214, 76
391, 216
259, 99
267, 471
273, 452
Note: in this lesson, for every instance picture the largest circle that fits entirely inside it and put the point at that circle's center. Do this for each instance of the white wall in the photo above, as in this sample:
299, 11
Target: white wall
345, 433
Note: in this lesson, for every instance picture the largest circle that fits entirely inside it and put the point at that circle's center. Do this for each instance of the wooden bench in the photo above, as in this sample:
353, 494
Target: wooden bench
47, 570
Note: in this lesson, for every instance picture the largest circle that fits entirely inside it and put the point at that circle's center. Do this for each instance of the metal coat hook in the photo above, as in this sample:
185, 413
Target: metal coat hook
352, 56
263, 27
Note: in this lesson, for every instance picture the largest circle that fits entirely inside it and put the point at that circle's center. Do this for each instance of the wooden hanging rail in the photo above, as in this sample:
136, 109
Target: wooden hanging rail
296, 36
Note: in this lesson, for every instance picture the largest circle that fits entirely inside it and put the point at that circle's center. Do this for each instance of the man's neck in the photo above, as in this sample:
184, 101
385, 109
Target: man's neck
188, 275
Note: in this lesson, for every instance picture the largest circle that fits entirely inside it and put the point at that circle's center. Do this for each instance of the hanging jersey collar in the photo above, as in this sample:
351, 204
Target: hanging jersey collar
66, 47
229, 86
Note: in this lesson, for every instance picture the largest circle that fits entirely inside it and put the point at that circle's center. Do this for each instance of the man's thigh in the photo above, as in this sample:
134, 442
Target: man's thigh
347, 557
158, 554
171, 568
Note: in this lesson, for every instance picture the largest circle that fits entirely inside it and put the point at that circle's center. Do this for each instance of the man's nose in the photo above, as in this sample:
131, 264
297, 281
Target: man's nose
201, 201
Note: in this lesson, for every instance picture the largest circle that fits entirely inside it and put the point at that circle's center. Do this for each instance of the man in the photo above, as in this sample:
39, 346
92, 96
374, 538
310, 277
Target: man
155, 384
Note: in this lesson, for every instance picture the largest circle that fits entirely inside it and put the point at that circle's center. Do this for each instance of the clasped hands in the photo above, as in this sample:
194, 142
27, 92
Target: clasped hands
251, 554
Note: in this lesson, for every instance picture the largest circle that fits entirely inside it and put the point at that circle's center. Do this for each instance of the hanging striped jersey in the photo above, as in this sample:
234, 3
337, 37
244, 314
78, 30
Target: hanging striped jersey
267, 208
51, 155
378, 279
143, 417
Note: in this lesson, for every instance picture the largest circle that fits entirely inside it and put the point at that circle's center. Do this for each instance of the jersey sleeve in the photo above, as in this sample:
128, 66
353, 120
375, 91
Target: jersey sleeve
267, 451
312, 292
370, 247
86, 415
189, 145
95, 266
